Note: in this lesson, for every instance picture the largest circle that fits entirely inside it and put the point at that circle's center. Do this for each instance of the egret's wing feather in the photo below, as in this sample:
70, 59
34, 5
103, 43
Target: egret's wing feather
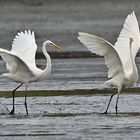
130, 30
25, 47
13, 63
101, 47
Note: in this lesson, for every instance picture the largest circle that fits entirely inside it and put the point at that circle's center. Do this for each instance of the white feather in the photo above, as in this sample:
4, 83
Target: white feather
16, 67
25, 47
102, 47
130, 30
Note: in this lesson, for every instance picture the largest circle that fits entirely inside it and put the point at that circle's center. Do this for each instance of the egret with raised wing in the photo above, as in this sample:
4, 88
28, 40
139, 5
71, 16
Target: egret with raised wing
120, 58
20, 62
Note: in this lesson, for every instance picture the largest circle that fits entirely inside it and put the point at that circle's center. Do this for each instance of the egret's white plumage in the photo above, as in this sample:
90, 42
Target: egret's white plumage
120, 58
20, 61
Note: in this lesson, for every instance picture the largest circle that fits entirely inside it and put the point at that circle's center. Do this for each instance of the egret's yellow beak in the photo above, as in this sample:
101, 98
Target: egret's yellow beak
57, 47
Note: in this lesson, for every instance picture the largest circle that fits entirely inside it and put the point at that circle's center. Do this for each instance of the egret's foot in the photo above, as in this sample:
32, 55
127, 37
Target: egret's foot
12, 112
27, 112
105, 112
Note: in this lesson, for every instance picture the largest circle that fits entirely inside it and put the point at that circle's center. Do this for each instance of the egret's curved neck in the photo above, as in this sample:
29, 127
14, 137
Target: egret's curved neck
47, 70
131, 55
134, 67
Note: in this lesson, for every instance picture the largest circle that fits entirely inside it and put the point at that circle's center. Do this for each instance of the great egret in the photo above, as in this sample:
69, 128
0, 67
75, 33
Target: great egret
20, 62
120, 58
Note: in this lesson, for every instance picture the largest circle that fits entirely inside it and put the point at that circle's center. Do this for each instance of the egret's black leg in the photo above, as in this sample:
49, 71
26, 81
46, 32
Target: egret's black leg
13, 110
116, 107
25, 103
109, 103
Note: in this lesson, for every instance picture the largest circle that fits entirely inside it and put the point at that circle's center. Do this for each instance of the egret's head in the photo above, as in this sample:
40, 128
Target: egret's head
131, 40
50, 43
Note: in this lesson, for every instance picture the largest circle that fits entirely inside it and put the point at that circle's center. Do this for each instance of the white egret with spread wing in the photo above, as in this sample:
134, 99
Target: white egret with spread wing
120, 58
20, 62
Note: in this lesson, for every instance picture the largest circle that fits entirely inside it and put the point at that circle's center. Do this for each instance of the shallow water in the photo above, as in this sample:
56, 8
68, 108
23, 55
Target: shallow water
72, 117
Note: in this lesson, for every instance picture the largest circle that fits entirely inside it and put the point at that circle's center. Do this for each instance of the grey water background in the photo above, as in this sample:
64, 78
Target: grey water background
77, 76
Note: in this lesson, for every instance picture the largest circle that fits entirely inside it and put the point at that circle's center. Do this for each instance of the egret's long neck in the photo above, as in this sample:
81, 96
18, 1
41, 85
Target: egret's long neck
131, 56
134, 67
47, 70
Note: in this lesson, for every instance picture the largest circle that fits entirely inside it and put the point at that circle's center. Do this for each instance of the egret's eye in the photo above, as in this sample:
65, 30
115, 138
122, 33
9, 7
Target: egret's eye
51, 44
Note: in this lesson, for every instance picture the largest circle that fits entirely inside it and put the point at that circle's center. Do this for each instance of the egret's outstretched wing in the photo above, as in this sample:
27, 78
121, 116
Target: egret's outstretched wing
13, 63
25, 47
130, 30
101, 47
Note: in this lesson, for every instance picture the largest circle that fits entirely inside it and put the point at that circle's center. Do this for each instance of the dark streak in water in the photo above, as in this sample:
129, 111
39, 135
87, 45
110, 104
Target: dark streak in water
69, 92
122, 114
66, 114
38, 134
